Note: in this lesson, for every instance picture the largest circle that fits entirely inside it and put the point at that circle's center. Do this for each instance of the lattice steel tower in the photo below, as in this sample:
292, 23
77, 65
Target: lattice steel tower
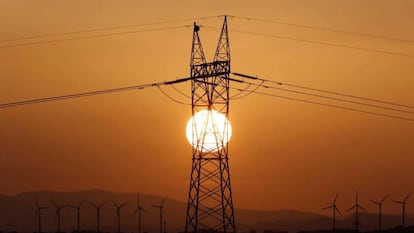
210, 205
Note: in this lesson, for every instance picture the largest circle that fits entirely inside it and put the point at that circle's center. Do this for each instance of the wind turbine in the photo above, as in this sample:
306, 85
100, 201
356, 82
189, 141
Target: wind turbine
98, 215
334, 209
78, 207
39, 214
161, 216
57, 215
403, 208
118, 213
356, 207
379, 204
165, 226
138, 210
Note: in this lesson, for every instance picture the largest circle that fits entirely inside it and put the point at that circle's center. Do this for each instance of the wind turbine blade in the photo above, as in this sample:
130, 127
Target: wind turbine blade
123, 204
81, 203
102, 203
162, 203
383, 199
336, 197
54, 203
116, 205
135, 211
37, 203
337, 210
399, 202
375, 202
407, 197
356, 199
353, 207
362, 208
138, 201
93, 204
328, 207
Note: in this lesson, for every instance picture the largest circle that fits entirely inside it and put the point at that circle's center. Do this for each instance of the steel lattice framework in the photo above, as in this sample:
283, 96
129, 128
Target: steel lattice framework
210, 204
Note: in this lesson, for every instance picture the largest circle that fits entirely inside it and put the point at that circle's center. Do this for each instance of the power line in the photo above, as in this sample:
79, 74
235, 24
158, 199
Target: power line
325, 91
328, 105
170, 97
239, 96
106, 29
91, 93
140, 87
180, 92
93, 36
330, 98
323, 29
319, 42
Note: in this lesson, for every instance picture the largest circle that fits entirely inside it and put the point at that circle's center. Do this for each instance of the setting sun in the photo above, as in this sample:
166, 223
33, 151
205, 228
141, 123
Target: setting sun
213, 126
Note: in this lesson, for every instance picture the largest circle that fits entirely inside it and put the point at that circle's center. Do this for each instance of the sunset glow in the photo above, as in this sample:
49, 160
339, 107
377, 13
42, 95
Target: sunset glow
213, 126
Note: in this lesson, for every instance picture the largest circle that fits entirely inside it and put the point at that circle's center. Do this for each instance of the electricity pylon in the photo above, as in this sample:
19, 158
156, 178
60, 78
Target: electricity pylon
210, 204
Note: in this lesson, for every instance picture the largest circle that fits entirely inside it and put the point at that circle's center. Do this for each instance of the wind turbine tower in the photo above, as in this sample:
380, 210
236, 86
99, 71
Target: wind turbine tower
357, 207
78, 207
161, 206
334, 210
39, 214
402, 203
139, 210
379, 204
58, 213
118, 214
210, 202
98, 215
165, 226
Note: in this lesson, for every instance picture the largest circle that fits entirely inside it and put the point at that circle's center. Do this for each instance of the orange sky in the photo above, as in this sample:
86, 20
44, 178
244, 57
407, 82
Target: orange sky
283, 154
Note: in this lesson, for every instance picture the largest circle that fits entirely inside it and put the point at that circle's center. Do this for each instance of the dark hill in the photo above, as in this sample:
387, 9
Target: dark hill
18, 213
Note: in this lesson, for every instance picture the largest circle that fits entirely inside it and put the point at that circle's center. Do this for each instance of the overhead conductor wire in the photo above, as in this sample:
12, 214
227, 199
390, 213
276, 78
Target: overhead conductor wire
91, 93
326, 104
322, 28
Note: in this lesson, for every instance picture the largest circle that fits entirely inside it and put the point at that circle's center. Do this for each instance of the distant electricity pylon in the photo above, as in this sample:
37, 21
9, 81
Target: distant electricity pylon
210, 203
334, 210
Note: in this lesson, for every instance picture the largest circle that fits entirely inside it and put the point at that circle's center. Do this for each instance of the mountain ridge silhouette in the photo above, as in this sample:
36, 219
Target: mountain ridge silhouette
19, 214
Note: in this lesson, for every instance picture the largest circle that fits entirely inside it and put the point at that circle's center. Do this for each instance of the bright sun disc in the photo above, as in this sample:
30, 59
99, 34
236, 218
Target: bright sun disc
211, 125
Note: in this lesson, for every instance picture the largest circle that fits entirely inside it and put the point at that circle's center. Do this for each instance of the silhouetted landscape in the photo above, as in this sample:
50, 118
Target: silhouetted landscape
150, 103
19, 215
